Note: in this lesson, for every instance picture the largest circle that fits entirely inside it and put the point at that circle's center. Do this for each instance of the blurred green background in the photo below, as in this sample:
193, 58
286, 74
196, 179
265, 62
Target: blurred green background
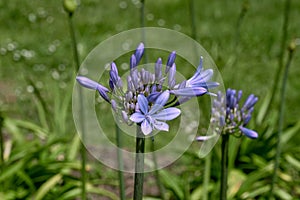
37, 75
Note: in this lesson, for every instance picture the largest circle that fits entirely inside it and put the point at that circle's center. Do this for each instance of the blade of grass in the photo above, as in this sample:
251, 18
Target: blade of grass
45, 187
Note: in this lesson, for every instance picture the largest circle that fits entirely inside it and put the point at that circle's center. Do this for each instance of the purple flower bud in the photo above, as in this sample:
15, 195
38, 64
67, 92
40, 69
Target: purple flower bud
139, 52
88, 83
172, 73
170, 61
158, 67
248, 132
124, 116
113, 105
132, 62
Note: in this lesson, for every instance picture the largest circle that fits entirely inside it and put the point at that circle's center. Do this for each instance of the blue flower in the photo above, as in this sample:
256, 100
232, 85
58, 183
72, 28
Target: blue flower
146, 95
153, 119
232, 117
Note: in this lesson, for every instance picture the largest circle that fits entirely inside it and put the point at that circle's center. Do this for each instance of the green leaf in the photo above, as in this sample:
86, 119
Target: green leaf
172, 183
44, 189
289, 133
264, 108
11, 170
101, 191
282, 194
39, 131
294, 162
74, 148
254, 177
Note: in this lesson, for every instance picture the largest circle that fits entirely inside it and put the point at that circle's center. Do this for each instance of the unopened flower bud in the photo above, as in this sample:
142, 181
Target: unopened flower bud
70, 6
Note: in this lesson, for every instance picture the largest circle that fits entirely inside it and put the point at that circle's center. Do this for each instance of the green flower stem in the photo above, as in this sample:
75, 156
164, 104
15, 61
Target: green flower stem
142, 25
1, 143
192, 19
206, 178
286, 13
242, 14
224, 167
83, 130
74, 43
120, 163
139, 165
281, 117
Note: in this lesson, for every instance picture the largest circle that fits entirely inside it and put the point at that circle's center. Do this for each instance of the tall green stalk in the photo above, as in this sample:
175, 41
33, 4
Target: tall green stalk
224, 167
242, 14
286, 12
1, 143
281, 116
120, 163
192, 19
83, 129
139, 165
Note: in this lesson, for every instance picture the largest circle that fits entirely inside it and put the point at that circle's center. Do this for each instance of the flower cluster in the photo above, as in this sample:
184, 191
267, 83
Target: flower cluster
232, 118
146, 101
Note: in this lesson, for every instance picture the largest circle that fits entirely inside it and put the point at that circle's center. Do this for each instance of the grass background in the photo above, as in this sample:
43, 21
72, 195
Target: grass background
35, 46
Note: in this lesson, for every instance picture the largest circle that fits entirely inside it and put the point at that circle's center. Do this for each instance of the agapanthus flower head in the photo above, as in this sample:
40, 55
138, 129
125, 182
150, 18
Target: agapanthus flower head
146, 100
230, 116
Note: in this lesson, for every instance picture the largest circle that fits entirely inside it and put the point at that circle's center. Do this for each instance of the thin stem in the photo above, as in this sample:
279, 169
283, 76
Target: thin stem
281, 120
120, 163
74, 43
83, 130
239, 22
1, 142
139, 165
281, 53
192, 19
206, 178
157, 176
224, 167
142, 24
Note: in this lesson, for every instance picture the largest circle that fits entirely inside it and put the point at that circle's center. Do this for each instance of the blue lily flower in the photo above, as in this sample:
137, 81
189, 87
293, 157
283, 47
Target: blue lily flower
153, 119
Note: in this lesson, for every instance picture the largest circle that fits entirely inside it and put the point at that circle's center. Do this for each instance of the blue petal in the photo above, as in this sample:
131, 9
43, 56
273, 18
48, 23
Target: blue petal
160, 102
206, 85
200, 66
200, 77
167, 114
103, 94
189, 92
248, 132
153, 96
137, 117
146, 127
143, 103
162, 126
204, 138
